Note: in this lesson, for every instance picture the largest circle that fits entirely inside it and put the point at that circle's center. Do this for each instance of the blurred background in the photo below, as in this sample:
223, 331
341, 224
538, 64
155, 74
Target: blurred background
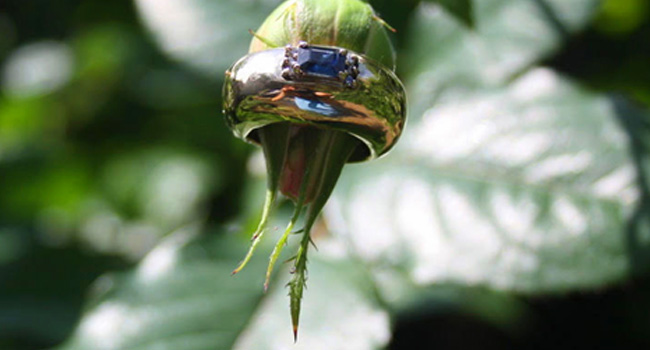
514, 213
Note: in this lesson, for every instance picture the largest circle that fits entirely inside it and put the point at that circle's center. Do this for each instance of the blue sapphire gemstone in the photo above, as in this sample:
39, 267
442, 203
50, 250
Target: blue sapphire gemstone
321, 61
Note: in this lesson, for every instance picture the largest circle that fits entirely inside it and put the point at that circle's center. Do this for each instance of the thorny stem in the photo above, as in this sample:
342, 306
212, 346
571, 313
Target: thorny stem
298, 282
283, 240
303, 160
311, 159
335, 151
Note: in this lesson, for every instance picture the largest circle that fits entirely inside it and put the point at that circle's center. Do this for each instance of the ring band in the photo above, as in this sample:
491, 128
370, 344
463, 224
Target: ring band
323, 86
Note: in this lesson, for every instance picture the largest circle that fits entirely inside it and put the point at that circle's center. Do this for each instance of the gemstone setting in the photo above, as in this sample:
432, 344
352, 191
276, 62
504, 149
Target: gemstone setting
320, 63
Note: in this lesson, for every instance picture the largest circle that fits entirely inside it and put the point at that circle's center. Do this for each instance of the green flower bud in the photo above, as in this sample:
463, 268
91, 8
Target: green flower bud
350, 24
316, 91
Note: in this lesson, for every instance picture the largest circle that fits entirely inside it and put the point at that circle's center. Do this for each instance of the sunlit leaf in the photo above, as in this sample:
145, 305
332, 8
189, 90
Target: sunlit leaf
531, 187
182, 296
506, 176
209, 35
508, 37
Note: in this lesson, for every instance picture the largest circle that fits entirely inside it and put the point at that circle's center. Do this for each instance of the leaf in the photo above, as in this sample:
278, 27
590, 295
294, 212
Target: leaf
208, 35
461, 9
508, 37
42, 285
506, 176
531, 188
182, 296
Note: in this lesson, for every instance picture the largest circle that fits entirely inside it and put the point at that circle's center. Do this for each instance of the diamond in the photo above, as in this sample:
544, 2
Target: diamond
321, 61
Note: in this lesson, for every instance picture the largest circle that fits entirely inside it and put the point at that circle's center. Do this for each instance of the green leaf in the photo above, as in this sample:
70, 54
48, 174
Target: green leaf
182, 296
533, 187
208, 35
462, 9
32, 296
507, 176
508, 38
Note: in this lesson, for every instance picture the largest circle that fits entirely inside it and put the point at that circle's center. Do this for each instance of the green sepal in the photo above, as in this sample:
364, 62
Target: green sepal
330, 155
350, 24
274, 141
341, 147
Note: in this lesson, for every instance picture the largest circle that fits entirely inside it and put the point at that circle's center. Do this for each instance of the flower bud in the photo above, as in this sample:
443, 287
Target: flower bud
350, 24
316, 91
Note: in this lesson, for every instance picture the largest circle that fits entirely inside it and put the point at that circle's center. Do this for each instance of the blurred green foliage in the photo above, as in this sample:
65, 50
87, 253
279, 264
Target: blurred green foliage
112, 145
105, 147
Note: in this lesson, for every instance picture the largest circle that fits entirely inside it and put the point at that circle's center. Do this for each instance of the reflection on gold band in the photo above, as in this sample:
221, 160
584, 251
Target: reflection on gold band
374, 110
